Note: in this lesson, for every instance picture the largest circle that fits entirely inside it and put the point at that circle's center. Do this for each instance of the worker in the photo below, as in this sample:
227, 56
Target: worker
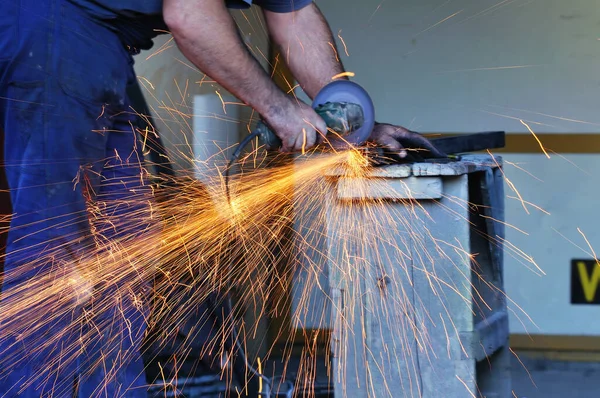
64, 69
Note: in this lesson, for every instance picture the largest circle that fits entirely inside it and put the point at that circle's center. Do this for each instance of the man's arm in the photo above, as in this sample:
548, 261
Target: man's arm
206, 34
307, 45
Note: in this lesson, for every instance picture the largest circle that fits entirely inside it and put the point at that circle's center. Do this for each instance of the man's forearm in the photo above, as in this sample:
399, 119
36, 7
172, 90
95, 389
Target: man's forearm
305, 40
206, 34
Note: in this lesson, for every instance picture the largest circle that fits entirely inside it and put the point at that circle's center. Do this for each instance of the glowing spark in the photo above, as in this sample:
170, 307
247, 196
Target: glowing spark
101, 113
489, 9
343, 43
260, 381
303, 141
467, 387
530, 204
514, 118
147, 81
376, 9
182, 93
509, 183
186, 64
222, 102
489, 68
589, 245
343, 74
291, 90
145, 138
505, 223
536, 138
523, 170
334, 51
204, 80
440, 22
162, 48
571, 163
523, 365
566, 119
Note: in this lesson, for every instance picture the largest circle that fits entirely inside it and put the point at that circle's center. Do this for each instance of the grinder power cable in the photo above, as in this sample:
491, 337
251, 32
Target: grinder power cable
347, 110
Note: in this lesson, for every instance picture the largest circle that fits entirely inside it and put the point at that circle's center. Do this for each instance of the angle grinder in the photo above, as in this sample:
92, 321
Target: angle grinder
347, 110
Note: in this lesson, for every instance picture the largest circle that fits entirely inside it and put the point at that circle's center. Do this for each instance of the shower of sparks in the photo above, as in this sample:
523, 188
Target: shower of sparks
183, 244
193, 244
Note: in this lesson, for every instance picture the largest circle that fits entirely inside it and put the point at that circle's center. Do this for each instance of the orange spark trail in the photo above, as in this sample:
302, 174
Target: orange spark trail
438, 23
343, 74
589, 245
489, 68
337, 58
536, 138
343, 43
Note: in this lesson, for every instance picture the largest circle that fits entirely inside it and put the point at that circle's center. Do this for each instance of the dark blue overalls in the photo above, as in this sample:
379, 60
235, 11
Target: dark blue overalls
69, 146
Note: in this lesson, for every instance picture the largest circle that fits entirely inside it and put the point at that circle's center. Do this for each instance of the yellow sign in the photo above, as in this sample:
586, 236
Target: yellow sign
585, 278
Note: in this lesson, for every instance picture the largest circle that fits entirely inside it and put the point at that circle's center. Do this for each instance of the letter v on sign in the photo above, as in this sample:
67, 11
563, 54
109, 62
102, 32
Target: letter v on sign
589, 283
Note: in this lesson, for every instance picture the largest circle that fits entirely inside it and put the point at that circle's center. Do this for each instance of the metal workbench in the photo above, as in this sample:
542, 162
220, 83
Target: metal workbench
405, 270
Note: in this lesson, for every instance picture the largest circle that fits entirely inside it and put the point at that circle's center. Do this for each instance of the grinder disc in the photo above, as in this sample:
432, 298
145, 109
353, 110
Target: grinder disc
347, 91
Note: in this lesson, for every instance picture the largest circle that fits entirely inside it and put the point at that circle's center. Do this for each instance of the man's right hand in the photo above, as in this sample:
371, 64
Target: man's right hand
297, 125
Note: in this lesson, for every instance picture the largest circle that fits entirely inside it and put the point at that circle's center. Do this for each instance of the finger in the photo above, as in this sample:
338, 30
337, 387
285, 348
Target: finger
304, 140
320, 129
415, 140
423, 142
309, 136
287, 144
392, 145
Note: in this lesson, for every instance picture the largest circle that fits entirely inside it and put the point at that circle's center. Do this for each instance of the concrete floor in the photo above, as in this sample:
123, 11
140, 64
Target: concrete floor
544, 378
533, 376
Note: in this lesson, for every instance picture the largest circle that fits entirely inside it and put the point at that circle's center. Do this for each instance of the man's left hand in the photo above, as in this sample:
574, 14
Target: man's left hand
399, 139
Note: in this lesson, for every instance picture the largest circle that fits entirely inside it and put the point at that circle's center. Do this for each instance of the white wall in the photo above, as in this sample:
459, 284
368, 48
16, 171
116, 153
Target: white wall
441, 78
425, 78
565, 187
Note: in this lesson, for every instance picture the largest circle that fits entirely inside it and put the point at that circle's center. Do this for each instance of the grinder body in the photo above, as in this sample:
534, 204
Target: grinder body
347, 110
